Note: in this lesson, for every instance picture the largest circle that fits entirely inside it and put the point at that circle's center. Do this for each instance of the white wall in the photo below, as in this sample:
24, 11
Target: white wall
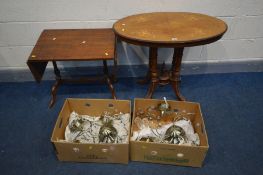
21, 22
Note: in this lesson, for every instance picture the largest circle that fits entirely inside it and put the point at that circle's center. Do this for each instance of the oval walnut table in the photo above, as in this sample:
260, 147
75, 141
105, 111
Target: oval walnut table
172, 30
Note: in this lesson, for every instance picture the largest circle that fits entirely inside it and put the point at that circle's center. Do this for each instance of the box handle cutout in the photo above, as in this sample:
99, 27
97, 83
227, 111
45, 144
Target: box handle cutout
180, 155
87, 104
104, 150
110, 105
154, 153
60, 123
75, 149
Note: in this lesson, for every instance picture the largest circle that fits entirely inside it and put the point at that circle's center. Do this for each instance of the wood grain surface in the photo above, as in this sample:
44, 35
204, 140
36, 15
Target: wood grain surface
170, 27
74, 44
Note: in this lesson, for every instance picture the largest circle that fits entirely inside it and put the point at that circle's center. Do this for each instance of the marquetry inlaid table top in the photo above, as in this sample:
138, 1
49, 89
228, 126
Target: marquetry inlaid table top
173, 28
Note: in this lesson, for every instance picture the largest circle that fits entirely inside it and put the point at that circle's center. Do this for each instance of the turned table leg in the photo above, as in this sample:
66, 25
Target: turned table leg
153, 71
108, 80
176, 67
56, 85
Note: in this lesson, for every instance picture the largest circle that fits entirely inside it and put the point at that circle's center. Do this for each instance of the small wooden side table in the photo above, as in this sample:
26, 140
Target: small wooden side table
172, 30
72, 45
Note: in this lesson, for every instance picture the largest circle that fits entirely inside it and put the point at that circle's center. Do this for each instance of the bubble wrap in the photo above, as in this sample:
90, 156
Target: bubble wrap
91, 125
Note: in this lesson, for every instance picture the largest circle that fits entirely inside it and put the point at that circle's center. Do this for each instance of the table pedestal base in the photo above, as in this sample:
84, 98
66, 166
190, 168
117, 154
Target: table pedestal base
172, 76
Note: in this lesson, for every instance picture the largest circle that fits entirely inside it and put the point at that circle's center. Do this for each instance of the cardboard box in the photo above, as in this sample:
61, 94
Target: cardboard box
80, 152
171, 153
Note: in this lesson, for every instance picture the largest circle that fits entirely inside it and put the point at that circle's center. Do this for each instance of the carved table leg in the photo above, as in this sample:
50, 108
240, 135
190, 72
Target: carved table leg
56, 85
107, 77
176, 67
153, 71
54, 93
